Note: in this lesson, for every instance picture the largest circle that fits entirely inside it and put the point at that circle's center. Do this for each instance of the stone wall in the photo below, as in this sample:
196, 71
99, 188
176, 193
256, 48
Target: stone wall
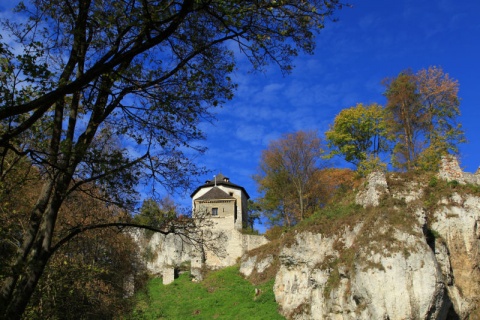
251, 242
234, 245
222, 249
450, 170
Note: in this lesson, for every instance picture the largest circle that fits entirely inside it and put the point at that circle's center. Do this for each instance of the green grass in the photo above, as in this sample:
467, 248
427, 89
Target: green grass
223, 294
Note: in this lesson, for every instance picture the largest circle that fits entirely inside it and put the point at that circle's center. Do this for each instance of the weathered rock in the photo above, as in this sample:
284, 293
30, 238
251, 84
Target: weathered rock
249, 263
382, 285
376, 186
414, 279
406, 285
458, 227
163, 251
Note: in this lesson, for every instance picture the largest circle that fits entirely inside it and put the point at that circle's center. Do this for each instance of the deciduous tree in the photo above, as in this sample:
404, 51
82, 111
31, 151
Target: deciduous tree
86, 276
424, 108
287, 170
91, 275
405, 110
359, 133
107, 93
332, 183
439, 98
155, 213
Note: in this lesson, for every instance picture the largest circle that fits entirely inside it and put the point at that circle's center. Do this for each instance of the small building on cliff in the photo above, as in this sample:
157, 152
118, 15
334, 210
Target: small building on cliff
222, 201
225, 206
221, 209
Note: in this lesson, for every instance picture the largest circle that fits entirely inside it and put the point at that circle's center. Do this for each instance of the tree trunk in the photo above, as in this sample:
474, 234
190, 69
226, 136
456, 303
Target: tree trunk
33, 255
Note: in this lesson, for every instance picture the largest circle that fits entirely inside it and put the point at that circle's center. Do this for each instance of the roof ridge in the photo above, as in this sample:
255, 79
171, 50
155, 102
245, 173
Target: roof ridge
215, 193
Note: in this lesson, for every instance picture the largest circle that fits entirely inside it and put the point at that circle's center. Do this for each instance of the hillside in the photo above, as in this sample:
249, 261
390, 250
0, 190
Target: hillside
400, 246
223, 294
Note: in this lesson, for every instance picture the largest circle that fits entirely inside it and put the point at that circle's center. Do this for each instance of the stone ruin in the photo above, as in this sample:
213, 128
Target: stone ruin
450, 170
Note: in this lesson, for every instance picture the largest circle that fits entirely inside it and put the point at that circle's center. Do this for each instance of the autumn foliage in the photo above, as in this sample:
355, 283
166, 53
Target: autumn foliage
294, 179
423, 109
86, 278
416, 127
360, 134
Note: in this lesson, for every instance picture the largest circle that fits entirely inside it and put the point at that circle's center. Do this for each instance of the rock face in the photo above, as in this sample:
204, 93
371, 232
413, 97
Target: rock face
458, 250
163, 251
377, 268
376, 186
375, 286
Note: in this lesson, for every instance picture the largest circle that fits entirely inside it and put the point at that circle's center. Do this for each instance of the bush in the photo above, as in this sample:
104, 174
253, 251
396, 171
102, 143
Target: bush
275, 232
369, 165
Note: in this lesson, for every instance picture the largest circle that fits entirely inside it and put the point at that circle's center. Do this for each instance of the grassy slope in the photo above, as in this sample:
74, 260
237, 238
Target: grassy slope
224, 294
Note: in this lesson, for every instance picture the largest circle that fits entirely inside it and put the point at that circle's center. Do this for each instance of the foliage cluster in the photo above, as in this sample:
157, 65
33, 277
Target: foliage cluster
416, 128
295, 180
286, 177
423, 109
359, 133
86, 277
418, 124
156, 214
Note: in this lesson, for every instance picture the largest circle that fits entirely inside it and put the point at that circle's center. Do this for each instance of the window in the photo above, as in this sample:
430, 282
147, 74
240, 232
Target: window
214, 211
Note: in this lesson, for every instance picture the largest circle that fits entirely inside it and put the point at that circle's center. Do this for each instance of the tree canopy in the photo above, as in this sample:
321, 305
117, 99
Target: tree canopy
424, 107
100, 95
286, 177
418, 124
359, 133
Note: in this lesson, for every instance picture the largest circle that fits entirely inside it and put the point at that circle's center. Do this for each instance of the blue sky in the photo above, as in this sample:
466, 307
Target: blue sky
372, 40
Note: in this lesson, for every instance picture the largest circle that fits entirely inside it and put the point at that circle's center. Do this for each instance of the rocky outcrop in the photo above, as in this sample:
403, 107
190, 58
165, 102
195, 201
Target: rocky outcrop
406, 262
376, 186
162, 252
458, 250
316, 281
450, 170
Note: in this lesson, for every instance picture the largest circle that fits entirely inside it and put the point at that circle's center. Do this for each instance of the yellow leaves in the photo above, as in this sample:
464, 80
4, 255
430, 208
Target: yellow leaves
358, 132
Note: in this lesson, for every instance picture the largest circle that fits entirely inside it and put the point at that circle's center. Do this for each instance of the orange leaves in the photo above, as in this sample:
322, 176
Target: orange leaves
333, 181
424, 107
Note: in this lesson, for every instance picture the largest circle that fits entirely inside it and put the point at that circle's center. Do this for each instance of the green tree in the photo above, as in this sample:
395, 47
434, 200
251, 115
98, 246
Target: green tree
360, 134
108, 93
424, 107
287, 169
157, 214
277, 198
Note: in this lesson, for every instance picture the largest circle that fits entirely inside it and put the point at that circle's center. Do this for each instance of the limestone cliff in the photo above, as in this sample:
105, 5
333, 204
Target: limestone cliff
163, 254
411, 251
165, 251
